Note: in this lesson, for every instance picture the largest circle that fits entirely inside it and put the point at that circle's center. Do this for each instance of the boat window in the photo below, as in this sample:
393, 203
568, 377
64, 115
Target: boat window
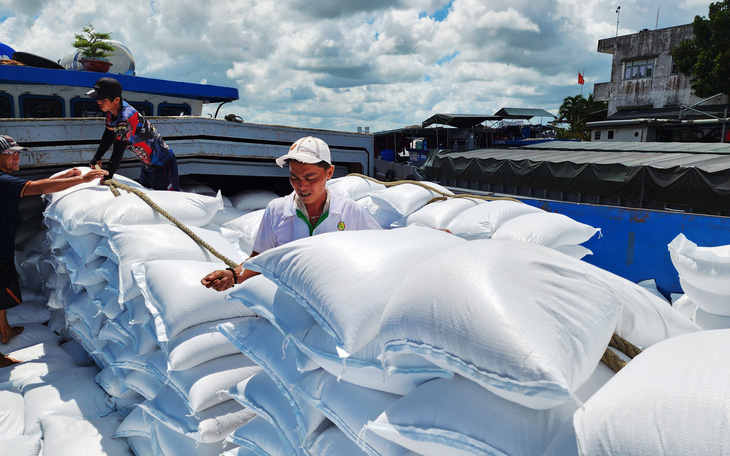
6, 106
597, 135
635, 69
167, 109
610, 134
85, 108
39, 106
142, 107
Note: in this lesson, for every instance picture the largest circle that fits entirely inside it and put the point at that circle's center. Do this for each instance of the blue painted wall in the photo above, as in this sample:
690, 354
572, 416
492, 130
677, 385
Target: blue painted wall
634, 241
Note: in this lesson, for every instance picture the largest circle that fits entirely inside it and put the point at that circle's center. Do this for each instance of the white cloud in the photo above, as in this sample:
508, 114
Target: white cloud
339, 65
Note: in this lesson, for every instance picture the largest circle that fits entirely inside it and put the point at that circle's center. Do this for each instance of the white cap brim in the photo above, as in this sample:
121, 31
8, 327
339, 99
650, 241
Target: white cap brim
301, 158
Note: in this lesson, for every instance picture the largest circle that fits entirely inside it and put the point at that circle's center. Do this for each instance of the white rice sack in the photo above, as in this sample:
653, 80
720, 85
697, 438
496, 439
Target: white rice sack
28, 312
364, 266
263, 343
108, 379
141, 446
12, 413
83, 245
37, 360
86, 186
458, 417
225, 215
545, 228
113, 331
176, 299
405, 199
77, 352
129, 209
384, 217
143, 383
260, 438
167, 441
200, 386
260, 394
86, 313
363, 367
82, 273
252, 200
706, 268
574, 251
707, 320
561, 312
136, 424
350, 407
140, 244
211, 425
33, 334
244, 229
196, 345
685, 306
200, 189
440, 213
353, 187
718, 304
680, 383
69, 207
51, 394
483, 220
266, 299
71, 436
333, 442
21, 445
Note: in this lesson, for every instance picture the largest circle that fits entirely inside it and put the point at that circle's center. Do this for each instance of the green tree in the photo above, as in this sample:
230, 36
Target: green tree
575, 111
706, 57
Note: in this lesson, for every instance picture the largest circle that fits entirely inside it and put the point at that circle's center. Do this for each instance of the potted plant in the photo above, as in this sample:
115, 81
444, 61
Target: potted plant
94, 49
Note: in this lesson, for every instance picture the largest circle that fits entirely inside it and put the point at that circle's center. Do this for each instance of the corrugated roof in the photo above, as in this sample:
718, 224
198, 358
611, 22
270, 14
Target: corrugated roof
458, 120
523, 113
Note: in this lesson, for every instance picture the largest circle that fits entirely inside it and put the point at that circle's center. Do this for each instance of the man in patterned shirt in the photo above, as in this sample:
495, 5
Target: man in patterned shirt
127, 128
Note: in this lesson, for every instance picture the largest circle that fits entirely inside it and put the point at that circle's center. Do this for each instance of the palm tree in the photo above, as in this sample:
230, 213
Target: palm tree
574, 111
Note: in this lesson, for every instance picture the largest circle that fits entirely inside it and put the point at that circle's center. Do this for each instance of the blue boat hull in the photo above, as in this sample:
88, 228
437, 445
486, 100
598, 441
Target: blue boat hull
634, 242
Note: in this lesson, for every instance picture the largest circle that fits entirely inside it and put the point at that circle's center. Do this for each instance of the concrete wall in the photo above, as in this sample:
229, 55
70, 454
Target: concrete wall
662, 90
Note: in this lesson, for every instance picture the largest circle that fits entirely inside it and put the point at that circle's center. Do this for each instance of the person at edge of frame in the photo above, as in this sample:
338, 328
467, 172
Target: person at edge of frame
13, 188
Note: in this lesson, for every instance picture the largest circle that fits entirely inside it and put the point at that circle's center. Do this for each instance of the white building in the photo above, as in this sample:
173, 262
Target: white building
647, 98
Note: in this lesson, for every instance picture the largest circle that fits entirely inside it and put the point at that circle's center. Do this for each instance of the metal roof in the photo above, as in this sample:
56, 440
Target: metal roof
522, 113
623, 146
709, 162
458, 120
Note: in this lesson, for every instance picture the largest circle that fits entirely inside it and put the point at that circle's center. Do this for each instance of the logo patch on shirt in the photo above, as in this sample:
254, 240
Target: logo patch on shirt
341, 226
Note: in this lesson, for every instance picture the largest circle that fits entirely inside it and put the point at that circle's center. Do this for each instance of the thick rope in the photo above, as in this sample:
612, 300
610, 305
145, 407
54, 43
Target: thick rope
443, 196
612, 360
113, 185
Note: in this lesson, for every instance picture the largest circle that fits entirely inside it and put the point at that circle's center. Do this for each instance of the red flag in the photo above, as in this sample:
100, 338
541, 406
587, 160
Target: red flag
581, 81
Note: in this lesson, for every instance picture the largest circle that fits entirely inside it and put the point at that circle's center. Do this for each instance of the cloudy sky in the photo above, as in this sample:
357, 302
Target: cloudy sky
340, 64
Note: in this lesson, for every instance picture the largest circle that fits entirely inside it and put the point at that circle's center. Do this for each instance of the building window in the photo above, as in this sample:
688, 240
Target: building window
142, 107
610, 134
38, 106
85, 108
636, 69
597, 135
173, 110
6, 106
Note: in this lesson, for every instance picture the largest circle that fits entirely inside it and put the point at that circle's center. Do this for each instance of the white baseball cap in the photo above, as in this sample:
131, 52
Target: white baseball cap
307, 150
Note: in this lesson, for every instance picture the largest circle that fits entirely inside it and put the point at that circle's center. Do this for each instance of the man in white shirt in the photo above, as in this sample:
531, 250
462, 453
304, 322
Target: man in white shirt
309, 210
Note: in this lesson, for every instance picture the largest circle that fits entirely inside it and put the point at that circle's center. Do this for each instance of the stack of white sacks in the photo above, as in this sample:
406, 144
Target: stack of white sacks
404, 341
704, 275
